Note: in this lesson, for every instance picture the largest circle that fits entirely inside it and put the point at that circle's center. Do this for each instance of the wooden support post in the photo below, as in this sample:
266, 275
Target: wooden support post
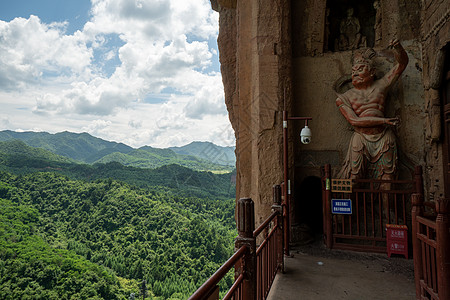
417, 211
279, 239
418, 178
327, 208
443, 247
247, 267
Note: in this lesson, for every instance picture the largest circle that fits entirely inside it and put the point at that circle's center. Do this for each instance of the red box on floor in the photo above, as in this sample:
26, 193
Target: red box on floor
397, 239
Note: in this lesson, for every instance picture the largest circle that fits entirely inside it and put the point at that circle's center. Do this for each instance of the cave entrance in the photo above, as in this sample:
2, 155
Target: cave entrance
308, 210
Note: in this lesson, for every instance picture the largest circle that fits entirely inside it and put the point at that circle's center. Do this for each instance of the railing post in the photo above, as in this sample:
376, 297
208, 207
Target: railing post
417, 211
279, 239
247, 267
418, 178
327, 208
443, 247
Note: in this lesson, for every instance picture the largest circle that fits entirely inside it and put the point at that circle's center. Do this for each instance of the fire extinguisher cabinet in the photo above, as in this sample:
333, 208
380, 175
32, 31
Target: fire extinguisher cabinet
397, 239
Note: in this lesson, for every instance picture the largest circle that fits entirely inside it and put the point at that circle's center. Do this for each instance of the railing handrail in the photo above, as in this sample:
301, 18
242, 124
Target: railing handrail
209, 284
234, 287
248, 260
427, 222
266, 240
263, 225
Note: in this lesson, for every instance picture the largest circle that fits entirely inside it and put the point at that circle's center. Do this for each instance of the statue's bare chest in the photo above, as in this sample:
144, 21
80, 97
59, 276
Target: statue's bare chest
368, 99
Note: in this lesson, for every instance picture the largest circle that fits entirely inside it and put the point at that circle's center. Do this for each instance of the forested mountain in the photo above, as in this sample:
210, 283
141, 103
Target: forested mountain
148, 157
71, 239
78, 146
18, 158
83, 147
209, 151
99, 231
18, 150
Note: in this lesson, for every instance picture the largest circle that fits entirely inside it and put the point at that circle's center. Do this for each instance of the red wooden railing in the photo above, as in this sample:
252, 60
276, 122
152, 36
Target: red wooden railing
255, 267
375, 203
431, 247
268, 255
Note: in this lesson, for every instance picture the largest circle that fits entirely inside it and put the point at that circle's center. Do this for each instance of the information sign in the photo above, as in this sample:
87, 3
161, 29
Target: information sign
341, 206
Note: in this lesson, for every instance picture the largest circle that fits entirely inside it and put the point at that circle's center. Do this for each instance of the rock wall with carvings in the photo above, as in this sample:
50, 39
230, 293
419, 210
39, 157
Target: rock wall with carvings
435, 35
287, 53
254, 46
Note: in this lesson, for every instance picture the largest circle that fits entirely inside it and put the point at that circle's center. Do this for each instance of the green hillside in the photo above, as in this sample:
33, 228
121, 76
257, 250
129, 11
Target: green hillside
20, 150
71, 239
78, 146
210, 152
82, 231
85, 148
18, 158
31, 269
148, 157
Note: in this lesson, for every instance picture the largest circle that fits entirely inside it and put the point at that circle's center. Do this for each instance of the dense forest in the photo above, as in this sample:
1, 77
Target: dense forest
106, 231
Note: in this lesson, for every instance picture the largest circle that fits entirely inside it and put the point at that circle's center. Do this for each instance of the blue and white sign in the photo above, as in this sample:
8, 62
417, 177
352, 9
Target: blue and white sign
341, 206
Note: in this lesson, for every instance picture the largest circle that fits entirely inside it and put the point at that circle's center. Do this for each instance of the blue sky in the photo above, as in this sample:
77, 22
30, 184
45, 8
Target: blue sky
76, 13
141, 72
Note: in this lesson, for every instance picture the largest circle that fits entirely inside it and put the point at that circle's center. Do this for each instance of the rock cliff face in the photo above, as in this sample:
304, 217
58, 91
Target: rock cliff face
254, 48
435, 33
278, 54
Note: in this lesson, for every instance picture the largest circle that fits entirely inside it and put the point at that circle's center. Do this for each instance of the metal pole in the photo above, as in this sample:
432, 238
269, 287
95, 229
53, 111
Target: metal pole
329, 228
285, 185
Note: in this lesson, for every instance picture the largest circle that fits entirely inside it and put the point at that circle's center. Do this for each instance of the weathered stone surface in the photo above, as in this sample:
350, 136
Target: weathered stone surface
435, 34
253, 44
264, 61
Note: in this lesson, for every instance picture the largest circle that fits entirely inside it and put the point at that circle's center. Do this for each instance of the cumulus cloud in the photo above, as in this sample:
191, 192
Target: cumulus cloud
31, 49
207, 96
128, 51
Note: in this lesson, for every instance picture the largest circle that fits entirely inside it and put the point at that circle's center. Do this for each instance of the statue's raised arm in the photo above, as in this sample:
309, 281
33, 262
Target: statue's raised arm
402, 61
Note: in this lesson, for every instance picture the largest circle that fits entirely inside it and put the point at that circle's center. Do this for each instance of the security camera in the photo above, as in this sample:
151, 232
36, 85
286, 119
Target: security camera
305, 135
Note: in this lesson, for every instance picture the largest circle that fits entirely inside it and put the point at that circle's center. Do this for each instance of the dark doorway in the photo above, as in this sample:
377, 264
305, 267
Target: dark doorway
308, 209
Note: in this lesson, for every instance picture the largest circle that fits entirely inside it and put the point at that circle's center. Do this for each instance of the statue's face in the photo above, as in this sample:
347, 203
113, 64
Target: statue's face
350, 12
362, 75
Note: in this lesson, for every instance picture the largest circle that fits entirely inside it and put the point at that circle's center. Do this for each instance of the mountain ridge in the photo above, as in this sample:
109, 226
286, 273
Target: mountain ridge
18, 158
85, 148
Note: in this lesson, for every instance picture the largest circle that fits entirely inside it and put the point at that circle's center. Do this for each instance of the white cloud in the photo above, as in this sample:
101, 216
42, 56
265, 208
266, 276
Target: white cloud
97, 126
102, 76
31, 49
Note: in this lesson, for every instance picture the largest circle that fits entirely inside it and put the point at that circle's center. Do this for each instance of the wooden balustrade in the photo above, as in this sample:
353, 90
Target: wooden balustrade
431, 244
255, 267
373, 206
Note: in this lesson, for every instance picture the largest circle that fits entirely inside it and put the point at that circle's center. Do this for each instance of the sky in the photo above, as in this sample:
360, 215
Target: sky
140, 72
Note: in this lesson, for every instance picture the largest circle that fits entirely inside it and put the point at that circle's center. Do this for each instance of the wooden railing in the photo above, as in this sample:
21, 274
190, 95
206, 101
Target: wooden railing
255, 267
374, 204
431, 247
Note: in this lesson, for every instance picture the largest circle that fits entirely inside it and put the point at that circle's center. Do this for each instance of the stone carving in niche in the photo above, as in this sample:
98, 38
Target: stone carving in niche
351, 24
377, 25
350, 33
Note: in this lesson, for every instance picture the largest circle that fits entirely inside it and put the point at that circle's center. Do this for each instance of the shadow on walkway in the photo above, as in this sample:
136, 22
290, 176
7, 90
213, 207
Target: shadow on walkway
314, 272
